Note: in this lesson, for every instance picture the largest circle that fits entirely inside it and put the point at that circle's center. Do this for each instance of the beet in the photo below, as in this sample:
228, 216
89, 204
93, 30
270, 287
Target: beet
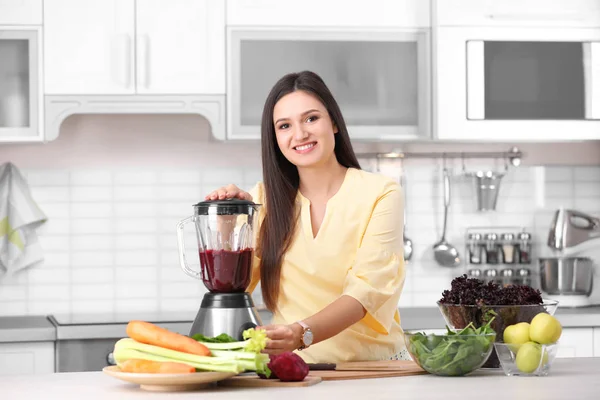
289, 367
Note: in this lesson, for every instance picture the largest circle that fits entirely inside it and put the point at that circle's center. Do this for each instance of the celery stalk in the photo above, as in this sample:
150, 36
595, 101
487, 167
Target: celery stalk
124, 354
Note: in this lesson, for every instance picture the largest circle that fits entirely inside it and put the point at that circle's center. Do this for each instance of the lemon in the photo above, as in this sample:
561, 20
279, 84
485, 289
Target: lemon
545, 329
529, 356
517, 334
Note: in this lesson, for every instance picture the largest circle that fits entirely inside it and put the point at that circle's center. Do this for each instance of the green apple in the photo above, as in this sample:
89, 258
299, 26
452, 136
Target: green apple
545, 329
517, 334
529, 357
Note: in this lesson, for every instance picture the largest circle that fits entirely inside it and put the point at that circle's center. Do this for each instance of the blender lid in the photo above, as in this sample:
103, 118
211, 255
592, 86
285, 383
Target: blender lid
225, 207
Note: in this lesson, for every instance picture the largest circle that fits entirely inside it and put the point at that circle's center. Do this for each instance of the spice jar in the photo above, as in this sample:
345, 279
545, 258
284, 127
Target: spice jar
524, 248
508, 277
492, 250
524, 276
491, 275
475, 273
475, 249
508, 248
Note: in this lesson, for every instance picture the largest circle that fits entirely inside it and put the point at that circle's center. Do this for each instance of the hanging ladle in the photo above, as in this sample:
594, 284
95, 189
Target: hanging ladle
445, 254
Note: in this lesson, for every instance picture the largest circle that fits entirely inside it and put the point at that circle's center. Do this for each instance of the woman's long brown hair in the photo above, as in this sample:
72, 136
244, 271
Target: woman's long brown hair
281, 178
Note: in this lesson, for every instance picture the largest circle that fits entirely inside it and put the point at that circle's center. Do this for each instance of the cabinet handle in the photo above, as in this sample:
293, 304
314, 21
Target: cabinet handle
145, 60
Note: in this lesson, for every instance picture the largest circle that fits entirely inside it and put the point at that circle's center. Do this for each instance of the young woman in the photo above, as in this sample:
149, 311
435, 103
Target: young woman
329, 249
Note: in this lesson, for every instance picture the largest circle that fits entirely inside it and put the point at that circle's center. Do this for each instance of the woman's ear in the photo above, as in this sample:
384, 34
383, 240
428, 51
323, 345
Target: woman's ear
335, 128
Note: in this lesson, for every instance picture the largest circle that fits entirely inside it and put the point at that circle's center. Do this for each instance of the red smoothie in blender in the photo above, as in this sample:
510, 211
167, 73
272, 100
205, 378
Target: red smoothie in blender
225, 271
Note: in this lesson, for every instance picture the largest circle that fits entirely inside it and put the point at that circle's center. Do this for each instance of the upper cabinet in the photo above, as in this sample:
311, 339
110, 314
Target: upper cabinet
90, 49
180, 46
134, 47
513, 13
375, 60
21, 12
328, 13
379, 79
21, 63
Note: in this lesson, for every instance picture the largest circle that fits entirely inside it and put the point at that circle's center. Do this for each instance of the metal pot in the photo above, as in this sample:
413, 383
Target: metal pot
566, 276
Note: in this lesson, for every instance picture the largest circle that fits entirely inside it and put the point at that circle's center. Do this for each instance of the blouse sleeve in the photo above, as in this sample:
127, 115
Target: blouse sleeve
377, 275
257, 193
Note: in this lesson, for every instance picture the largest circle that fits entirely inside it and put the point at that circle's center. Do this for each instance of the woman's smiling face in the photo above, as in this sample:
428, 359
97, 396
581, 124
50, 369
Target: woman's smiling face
304, 129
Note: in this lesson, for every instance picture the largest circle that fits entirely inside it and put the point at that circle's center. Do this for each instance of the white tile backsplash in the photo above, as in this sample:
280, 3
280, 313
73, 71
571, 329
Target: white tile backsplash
81, 275
110, 243
91, 178
91, 193
135, 193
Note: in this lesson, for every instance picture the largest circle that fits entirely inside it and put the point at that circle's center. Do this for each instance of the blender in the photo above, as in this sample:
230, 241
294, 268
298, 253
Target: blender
225, 236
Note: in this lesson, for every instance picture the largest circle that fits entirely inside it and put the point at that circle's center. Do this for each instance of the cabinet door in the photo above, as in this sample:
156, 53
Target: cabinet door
22, 12
348, 13
180, 46
576, 342
26, 358
380, 80
89, 46
20, 85
530, 13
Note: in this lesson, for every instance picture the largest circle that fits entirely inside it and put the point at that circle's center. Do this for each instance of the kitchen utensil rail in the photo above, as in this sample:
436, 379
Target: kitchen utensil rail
513, 155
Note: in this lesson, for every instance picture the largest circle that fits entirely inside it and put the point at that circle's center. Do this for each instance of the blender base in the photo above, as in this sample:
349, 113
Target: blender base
230, 313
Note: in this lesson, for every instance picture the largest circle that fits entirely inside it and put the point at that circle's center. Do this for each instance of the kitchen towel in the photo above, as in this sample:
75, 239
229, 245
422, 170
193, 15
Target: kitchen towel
20, 216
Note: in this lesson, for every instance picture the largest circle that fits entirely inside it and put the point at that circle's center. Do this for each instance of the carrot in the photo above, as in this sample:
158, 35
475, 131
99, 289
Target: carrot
155, 367
145, 332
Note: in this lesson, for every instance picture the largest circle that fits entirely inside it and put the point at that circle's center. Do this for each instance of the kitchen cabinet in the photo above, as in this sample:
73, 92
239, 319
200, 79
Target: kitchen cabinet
21, 12
531, 13
26, 358
596, 342
380, 79
21, 100
576, 342
89, 50
121, 47
330, 13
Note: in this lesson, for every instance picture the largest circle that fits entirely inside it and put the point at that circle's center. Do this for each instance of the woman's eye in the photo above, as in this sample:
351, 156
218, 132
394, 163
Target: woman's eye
312, 118
284, 126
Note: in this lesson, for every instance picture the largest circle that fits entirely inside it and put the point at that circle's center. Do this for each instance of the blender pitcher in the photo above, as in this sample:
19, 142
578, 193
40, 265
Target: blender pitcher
225, 234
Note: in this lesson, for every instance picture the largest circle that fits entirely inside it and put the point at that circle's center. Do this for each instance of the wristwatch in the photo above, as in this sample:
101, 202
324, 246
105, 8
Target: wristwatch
307, 336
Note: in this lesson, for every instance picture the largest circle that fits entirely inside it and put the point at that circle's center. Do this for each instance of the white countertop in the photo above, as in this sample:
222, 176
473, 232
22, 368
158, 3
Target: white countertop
569, 379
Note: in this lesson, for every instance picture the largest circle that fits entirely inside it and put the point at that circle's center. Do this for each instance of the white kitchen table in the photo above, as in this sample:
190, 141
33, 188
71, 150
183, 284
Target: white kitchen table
569, 379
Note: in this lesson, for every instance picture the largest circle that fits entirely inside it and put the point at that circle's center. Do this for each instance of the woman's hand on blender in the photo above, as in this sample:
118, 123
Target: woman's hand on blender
228, 192
282, 338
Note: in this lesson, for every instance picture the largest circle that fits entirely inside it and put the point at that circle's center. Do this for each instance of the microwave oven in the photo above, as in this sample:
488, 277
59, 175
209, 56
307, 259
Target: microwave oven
517, 84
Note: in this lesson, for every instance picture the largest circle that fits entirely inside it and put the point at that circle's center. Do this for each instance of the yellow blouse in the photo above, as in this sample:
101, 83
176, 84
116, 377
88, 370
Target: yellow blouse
358, 251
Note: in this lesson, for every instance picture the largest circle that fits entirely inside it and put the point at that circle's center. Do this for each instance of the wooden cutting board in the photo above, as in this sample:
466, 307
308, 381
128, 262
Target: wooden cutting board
396, 365
370, 369
254, 381
349, 370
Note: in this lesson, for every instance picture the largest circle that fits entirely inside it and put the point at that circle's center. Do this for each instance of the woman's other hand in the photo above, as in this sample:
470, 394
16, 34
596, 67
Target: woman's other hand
282, 338
228, 192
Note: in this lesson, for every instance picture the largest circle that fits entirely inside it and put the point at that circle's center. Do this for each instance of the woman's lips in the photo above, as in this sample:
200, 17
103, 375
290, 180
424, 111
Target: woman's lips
305, 148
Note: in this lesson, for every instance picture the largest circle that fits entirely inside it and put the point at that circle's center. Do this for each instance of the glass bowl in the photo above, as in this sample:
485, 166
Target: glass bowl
529, 359
458, 316
449, 355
